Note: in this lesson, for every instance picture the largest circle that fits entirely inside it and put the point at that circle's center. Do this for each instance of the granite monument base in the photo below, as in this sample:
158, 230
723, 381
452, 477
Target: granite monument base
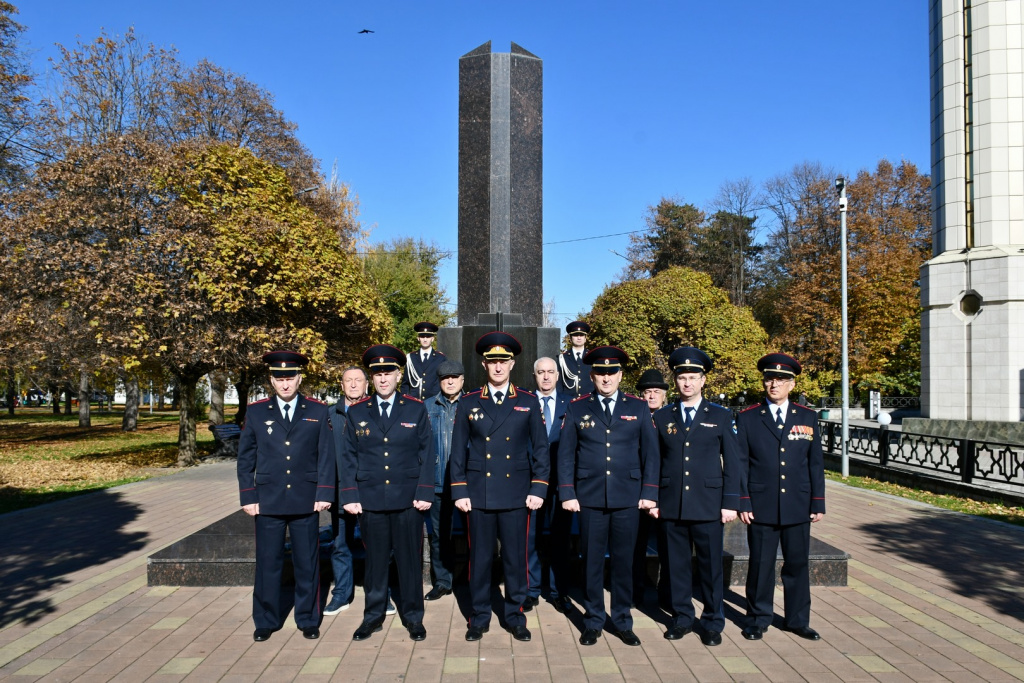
459, 343
975, 430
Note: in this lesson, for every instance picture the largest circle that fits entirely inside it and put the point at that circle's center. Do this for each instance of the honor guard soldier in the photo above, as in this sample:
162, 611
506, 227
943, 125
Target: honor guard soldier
782, 462
499, 472
574, 375
387, 477
421, 379
608, 473
286, 476
700, 493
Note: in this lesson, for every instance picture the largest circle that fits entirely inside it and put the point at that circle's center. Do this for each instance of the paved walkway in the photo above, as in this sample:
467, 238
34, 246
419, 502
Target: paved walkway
933, 596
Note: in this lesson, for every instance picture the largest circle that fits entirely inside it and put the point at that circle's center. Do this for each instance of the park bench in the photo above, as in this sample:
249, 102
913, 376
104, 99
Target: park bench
225, 437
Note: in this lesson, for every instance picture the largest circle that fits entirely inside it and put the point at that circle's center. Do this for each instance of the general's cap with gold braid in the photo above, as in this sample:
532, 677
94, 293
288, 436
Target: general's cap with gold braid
498, 346
778, 366
689, 359
284, 363
383, 357
606, 360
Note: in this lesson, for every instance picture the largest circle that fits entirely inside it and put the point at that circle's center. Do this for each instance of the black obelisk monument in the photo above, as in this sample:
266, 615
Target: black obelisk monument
501, 263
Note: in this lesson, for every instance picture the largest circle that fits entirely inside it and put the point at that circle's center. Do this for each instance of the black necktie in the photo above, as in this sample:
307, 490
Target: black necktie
287, 417
778, 417
499, 397
384, 409
607, 407
689, 416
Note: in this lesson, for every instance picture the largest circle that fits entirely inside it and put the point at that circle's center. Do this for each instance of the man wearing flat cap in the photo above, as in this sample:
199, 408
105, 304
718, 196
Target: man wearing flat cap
574, 375
499, 469
782, 462
387, 477
608, 473
442, 409
421, 367
652, 388
286, 476
701, 485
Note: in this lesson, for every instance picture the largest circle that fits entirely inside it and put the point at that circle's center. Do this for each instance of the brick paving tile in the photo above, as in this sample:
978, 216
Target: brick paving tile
276, 674
204, 674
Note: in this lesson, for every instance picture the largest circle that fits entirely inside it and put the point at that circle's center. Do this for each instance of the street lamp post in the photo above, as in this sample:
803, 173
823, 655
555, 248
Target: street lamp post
841, 188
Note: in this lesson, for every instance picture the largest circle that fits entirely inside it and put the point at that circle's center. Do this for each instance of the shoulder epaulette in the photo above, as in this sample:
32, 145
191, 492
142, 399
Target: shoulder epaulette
631, 396
584, 396
314, 400
364, 399
262, 400
418, 400
528, 393
747, 410
804, 407
717, 405
472, 393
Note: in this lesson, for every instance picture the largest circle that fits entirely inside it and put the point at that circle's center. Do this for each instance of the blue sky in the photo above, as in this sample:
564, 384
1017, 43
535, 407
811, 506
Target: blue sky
641, 100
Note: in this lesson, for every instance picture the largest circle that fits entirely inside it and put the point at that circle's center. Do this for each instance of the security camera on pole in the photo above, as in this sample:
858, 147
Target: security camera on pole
841, 188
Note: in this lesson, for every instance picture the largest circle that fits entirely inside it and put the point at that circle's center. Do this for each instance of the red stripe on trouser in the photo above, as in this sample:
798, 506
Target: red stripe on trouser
469, 561
529, 513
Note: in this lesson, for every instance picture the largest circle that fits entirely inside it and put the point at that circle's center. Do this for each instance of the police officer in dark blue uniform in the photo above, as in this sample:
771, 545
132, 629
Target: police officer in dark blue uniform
780, 455
387, 477
499, 472
573, 373
421, 380
286, 476
700, 493
608, 472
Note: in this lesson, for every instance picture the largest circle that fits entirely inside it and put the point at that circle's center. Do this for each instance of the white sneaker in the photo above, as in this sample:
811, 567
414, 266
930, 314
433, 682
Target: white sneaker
389, 611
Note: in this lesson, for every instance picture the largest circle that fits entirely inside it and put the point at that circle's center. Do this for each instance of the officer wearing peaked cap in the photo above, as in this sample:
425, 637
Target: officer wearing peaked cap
286, 476
421, 380
499, 472
573, 373
782, 463
700, 492
608, 472
387, 477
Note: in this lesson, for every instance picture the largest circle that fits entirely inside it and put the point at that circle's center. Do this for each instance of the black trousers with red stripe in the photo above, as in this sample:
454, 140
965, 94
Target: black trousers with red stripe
304, 531
399, 532
611, 530
485, 527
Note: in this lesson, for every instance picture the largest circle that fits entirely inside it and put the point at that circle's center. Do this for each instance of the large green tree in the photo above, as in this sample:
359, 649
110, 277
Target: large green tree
649, 317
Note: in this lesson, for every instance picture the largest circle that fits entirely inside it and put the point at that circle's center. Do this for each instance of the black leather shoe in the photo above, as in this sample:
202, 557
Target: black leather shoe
627, 636
311, 633
437, 592
590, 636
367, 629
261, 634
417, 632
530, 602
805, 632
753, 632
677, 632
711, 638
562, 604
474, 633
520, 632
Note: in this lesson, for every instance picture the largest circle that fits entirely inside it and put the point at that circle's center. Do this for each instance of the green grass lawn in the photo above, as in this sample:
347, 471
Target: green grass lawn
46, 457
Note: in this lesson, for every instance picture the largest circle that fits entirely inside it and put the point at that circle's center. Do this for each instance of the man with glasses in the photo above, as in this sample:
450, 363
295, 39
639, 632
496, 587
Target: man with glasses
608, 473
574, 375
783, 466
421, 379
700, 493
499, 468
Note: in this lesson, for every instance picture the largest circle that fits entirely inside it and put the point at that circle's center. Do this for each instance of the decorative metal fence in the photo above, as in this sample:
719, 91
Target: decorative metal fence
893, 402
971, 461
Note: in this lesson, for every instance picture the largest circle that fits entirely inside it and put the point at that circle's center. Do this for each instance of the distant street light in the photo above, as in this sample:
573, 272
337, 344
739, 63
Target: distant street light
841, 188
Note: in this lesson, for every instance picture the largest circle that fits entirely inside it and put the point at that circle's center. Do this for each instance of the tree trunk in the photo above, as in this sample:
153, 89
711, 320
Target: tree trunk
242, 387
83, 399
67, 397
218, 384
186, 391
10, 391
176, 396
160, 398
54, 390
130, 420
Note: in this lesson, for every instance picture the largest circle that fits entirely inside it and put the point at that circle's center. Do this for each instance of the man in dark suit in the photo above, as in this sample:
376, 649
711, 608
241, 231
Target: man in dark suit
782, 462
551, 517
421, 379
387, 477
573, 373
652, 388
700, 493
499, 472
286, 476
608, 473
